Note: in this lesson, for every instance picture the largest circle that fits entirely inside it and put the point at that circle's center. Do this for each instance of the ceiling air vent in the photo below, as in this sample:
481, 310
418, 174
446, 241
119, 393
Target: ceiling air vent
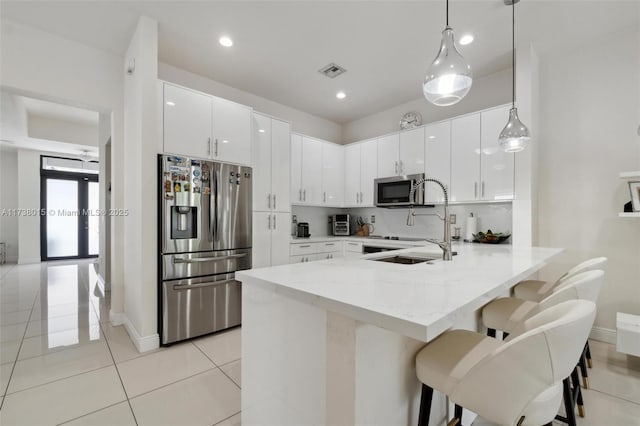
332, 70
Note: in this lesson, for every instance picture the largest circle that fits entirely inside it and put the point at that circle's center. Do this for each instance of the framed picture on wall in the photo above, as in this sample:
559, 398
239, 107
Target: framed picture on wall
634, 187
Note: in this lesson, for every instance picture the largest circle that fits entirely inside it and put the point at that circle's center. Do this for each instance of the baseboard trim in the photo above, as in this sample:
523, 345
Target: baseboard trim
602, 334
26, 261
142, 343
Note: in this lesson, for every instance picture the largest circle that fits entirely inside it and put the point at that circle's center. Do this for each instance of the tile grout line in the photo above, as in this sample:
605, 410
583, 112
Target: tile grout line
227, 418
219, 366
177, 381
57, 380
88, 414
6, 390
614, 396
115, 364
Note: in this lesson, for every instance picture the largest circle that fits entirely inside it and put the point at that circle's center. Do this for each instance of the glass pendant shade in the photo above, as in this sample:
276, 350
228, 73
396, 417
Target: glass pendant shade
515, 135
449, 77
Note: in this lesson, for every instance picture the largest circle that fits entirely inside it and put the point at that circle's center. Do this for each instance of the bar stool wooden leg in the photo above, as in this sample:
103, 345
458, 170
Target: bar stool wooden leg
588, 354
583, 369
491, 332
567, 395
425, 405
504, 335
577, 392
457, 417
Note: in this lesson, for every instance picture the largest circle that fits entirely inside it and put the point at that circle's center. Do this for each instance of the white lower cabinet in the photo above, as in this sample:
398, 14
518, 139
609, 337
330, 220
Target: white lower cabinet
271, 237
352, 249
309, 252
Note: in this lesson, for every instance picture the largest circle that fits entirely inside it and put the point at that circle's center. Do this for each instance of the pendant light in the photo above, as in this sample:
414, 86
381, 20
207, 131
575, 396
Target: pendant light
449, 76
515, 136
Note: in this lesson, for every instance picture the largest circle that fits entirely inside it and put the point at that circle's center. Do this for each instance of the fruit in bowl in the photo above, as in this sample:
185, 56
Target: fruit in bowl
490, 238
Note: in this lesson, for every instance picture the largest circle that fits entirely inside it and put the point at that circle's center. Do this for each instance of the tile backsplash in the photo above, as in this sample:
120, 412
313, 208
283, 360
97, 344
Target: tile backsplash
497, 217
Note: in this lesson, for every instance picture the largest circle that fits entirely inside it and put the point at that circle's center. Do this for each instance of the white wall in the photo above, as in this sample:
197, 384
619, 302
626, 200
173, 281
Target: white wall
9, 200
140, 231
302, 122
486, 92
29, 198
62, 130
589, 116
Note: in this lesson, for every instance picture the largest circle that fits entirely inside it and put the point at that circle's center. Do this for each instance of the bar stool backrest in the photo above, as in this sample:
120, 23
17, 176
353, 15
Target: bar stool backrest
585, 286
502, 386
587, 265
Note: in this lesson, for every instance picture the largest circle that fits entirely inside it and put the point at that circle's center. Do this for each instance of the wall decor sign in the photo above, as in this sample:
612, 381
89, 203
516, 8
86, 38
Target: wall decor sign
634, 187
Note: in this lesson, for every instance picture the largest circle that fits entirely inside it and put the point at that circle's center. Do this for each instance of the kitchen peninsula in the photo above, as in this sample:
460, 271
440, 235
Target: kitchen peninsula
334, 342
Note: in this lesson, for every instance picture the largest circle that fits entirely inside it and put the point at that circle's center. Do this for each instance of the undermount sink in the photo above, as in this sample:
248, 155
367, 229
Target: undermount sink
407, 259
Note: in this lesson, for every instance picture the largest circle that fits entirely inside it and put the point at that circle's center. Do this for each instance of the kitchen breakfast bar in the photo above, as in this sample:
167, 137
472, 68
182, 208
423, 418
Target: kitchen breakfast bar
334, 342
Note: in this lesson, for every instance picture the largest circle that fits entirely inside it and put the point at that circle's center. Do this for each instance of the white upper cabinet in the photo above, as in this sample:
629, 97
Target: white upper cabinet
187, 122
368, 170
262, 170
437, 159
311, 171
411, 152
332, 174
231, 131
280, 165
271, 164
296, 169
465, 158
388, 155
496, 166
352, 175
203, 126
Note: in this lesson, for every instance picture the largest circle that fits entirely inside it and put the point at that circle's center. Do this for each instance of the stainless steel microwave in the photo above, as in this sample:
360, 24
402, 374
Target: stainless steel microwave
394, 191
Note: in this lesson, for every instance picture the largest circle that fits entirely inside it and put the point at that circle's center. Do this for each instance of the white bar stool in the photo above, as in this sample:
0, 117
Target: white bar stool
513, 382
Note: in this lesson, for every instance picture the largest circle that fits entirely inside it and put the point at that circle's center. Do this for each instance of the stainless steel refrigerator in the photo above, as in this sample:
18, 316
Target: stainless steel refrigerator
204, 238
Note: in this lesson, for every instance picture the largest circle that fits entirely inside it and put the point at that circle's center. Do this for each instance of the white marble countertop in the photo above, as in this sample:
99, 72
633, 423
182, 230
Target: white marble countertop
419, 301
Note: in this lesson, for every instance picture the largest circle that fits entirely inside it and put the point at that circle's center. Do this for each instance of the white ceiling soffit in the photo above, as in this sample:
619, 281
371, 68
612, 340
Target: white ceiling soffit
279, 46
61, 112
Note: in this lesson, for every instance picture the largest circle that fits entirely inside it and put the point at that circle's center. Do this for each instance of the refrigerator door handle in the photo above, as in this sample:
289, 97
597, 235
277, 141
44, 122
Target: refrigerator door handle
182, 287
214, 228
208, 259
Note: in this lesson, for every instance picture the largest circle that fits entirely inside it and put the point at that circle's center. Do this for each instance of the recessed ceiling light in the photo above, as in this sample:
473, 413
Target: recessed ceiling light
226, 41
171, 103
432, 137
341, 95
466, 39
261, 130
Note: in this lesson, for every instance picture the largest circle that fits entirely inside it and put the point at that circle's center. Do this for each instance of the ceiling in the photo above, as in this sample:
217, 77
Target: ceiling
58, 111
385, 46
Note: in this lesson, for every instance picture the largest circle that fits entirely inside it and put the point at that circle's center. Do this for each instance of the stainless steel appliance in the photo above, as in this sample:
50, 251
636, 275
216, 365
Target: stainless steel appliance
302, 230
394, 191
341, 224
204, 238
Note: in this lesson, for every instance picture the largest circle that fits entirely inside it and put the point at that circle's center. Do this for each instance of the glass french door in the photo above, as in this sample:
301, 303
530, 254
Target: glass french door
69, 226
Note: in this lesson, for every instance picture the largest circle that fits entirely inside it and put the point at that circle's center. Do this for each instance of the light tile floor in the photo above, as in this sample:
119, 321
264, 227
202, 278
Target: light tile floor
61, 362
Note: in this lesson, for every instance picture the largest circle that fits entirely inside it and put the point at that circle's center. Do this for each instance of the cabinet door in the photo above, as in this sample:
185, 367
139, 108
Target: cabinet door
280, 165
296, 169
332, 174
187, 122
465, 158
352, 175
280, 238
231, 131
437, 159
496, 166
261, 249
388, 156
311, 171
412, 152
262, 163
368, 171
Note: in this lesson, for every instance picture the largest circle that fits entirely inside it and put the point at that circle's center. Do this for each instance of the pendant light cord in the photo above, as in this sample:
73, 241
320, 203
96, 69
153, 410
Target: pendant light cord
513, 54
447, 13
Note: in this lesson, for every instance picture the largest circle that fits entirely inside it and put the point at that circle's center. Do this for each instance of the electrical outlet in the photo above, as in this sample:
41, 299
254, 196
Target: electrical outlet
294, 219
373, 218
452, 218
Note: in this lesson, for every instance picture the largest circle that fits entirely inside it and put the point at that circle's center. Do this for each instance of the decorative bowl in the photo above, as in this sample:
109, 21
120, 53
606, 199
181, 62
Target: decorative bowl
490, 238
